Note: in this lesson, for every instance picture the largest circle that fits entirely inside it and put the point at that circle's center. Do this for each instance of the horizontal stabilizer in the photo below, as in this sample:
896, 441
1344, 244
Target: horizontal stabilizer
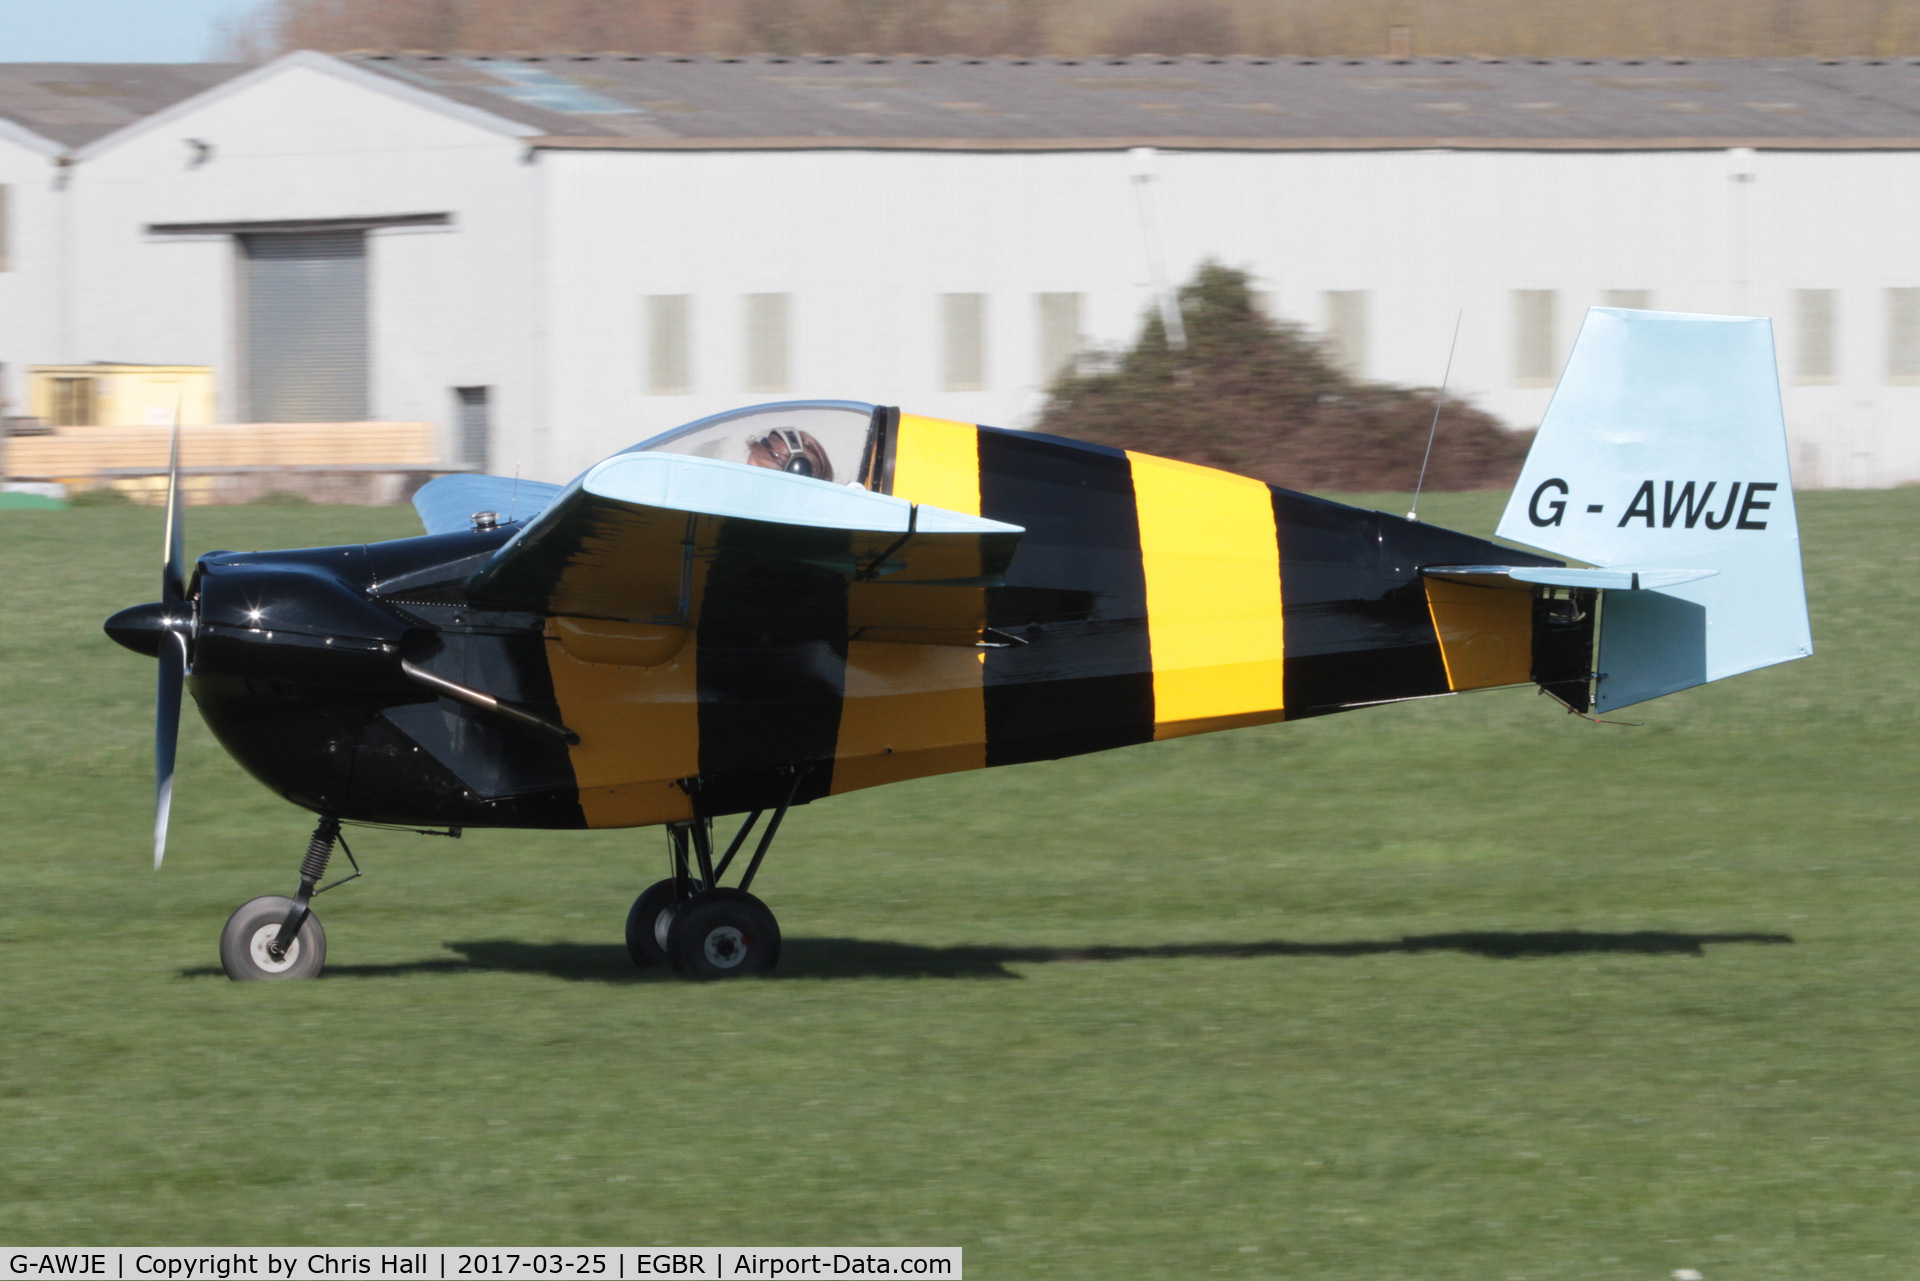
681, 540
447, 504
1619, 578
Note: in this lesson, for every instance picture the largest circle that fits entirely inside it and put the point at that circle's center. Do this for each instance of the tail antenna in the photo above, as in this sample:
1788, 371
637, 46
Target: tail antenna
513, 495
1172, 323
1434, 430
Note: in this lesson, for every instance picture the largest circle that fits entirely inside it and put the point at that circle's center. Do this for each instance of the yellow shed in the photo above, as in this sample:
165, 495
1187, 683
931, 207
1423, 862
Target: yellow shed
109, 395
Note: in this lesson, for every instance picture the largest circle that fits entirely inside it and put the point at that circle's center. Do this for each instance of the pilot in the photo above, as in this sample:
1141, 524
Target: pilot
790, 450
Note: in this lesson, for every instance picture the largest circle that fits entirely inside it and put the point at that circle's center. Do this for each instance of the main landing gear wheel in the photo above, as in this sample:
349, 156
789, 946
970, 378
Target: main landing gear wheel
723, 933
716, 932
648, 921
246, 944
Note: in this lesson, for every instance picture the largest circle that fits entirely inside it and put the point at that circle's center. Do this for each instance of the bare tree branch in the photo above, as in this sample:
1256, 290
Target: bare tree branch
1513, 28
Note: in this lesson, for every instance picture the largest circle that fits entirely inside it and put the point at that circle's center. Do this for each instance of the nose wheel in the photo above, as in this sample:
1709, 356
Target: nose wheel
280, 938
247, 943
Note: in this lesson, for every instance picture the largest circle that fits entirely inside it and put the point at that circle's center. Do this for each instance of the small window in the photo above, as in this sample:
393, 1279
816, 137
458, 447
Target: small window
963, 323
1533, 337
6, 227
1903, 337
1631, 299
472, 425
1059, 316
1813, 346
1347, 330
72, 402
767, 343
669, 358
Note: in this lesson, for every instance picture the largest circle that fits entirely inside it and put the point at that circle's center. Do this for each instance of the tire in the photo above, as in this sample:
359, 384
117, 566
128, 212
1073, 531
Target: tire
722, 934
243, 943
648, 920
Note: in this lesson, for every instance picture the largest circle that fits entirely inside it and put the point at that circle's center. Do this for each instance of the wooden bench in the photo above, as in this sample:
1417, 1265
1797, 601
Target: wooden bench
80, 454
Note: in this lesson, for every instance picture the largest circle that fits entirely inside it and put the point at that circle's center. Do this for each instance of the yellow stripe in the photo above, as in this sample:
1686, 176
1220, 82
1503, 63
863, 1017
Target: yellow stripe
915, 710
910, 711
629, 691
1212, 567
1486, 633
938, 462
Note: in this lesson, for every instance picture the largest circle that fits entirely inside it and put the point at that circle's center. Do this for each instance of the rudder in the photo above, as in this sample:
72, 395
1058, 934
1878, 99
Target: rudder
1663, 456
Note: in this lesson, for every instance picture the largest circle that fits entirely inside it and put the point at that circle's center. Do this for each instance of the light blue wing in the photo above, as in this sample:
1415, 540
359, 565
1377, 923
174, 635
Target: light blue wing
446, 505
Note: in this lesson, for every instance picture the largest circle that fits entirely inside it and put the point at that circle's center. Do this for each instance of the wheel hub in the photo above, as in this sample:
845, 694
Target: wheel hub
726, 947
261, 948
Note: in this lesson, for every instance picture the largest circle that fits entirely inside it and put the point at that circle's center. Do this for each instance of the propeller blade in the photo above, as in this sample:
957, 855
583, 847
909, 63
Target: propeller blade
173, 650
166, 735
173, 582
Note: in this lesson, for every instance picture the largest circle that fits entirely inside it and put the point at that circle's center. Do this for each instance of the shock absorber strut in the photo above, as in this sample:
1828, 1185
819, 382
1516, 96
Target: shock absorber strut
319, 850
312, 868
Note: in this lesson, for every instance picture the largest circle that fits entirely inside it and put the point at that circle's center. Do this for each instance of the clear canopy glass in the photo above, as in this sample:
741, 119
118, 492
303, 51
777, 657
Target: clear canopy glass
824, 439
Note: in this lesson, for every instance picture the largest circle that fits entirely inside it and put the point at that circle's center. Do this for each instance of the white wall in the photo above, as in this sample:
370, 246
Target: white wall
1839, 221
30, 293
865, 242
450, 306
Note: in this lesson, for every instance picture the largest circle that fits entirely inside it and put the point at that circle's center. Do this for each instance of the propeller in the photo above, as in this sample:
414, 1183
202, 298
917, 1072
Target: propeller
173, 652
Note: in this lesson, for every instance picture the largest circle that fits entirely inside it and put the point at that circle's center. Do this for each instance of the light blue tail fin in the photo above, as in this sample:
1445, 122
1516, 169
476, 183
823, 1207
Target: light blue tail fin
1664, 456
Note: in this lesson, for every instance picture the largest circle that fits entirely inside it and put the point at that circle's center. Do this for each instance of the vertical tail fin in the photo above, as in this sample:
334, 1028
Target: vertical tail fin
1664, 453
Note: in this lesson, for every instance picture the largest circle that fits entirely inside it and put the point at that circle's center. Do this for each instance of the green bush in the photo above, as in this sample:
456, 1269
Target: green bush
1262, 398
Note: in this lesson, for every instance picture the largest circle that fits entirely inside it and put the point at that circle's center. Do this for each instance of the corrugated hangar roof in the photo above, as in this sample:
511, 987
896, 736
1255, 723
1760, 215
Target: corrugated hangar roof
75, 102
663, 100
669, 101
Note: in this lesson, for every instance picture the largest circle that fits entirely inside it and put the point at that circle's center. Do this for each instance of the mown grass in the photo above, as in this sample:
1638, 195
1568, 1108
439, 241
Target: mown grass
1428, 991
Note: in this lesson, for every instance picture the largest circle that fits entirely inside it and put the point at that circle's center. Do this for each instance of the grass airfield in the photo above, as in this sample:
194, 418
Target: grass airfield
1464, 988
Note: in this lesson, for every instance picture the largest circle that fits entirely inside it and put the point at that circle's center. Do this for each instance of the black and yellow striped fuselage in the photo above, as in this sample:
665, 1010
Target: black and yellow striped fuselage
1148, 599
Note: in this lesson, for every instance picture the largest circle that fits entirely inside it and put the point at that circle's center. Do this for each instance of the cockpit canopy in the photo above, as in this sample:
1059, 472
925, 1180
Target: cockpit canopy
825, 439
829, 440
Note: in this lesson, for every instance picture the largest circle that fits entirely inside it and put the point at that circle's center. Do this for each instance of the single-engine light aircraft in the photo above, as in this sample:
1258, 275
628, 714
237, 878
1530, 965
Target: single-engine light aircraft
791, 601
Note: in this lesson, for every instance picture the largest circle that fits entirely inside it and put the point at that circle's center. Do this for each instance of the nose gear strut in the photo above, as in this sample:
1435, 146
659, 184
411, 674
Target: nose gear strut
312, 868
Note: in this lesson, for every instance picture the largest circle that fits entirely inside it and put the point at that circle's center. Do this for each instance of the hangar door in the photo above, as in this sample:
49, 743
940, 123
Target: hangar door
304, 326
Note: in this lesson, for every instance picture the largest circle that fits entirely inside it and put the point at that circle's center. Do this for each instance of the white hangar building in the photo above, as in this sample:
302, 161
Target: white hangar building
554, 257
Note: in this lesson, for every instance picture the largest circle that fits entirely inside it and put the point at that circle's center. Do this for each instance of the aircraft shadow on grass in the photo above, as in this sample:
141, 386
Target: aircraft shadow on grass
847, 958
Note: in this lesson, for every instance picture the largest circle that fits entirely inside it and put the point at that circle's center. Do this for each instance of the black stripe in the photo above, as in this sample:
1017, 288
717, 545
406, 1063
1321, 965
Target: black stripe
519, 770
447, 764
1084, 682
1358, 629
1563, 645
767, 703
884, 445
1355, 633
